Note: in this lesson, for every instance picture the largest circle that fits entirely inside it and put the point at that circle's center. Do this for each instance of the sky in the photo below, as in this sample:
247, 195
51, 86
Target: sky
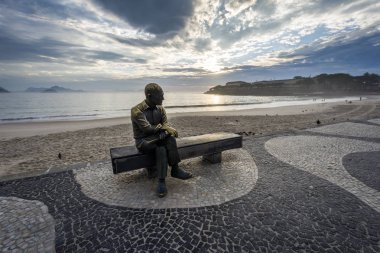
182, 44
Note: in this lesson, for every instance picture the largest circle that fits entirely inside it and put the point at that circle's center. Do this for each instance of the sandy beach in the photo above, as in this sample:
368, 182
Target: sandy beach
32, 147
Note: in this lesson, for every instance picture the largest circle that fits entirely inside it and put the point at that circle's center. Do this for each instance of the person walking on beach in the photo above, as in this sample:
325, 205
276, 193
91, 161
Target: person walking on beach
153, 134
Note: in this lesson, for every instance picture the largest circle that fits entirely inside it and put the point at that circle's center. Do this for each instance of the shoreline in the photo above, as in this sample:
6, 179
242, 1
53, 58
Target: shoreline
65, 144
10, 130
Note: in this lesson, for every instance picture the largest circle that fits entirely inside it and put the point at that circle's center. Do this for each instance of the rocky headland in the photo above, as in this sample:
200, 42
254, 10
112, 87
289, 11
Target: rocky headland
324, 85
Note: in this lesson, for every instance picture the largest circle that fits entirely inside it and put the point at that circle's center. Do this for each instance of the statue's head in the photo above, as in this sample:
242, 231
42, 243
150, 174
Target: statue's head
154, 94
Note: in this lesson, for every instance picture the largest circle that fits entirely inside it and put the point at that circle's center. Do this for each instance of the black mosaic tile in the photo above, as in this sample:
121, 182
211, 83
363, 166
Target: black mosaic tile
364, 166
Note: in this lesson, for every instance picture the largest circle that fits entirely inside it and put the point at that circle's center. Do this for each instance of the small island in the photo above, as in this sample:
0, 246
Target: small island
323, 84
53, 89
2, 90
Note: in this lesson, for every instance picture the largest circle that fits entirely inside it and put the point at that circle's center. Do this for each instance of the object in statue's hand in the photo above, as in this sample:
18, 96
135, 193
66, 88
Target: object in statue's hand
171, 131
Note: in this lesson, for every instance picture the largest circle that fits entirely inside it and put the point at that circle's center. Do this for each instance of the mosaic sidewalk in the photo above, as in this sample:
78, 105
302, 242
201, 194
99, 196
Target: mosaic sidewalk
310, 191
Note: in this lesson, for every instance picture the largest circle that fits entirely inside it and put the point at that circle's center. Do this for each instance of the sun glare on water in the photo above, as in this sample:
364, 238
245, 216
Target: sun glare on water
216, 99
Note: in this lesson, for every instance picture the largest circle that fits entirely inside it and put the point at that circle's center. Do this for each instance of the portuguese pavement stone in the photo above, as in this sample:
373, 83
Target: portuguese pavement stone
211, 184
25, 226
349, 129
322, 156
375, 121
364, 166
292, 207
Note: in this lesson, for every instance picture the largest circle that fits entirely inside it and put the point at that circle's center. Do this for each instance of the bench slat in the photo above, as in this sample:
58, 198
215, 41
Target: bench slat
209, 147
129, 158
205, 138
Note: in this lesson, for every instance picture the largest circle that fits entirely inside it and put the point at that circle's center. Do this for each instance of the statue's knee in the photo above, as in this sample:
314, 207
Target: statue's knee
171, 140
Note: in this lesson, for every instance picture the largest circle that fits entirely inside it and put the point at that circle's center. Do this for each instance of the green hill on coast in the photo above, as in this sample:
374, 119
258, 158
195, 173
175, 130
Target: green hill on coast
323, 84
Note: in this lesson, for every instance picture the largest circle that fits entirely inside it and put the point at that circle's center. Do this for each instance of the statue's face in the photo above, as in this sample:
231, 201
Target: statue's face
156, 98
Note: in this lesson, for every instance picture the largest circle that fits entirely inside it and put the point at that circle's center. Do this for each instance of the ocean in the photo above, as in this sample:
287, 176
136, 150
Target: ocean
24, 106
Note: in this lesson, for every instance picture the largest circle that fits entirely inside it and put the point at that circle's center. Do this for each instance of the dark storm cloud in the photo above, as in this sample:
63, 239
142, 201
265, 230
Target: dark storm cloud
163, 18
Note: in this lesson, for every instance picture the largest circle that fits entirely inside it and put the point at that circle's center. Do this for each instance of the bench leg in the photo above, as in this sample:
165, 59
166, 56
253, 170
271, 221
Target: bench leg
213, 158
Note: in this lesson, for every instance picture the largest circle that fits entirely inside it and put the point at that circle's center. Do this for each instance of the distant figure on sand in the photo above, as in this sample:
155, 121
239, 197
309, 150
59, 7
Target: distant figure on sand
153, 134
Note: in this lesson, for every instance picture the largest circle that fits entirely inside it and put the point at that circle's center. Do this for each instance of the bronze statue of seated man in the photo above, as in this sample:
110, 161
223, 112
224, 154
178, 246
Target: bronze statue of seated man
152, 133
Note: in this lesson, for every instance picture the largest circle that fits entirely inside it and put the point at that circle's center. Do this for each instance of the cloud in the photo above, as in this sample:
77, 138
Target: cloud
239, 67
58, 10
202, 44
355, 56
363, 51
107, 56
241, 19
164, 18
46, 49
194, 70
103, 55
38, 7
16, 49
138, 60
186, 40
137, 42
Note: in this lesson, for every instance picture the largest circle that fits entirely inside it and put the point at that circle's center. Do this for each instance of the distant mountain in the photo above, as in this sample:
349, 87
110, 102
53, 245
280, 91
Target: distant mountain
324, 84
32, 89
2, 90
53, 89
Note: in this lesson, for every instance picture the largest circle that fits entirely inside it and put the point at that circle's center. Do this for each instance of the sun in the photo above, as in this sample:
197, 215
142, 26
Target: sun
211, 64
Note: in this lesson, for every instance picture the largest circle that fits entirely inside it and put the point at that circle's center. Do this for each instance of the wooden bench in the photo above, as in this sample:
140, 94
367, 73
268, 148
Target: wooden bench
210, 146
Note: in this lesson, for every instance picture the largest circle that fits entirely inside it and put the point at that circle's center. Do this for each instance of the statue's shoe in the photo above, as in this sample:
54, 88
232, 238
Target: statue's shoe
181, 174
161, 189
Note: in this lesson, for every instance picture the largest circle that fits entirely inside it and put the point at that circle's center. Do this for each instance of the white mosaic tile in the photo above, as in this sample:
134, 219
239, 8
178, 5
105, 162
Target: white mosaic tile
212, 184
349, 129
25, 226
322, 156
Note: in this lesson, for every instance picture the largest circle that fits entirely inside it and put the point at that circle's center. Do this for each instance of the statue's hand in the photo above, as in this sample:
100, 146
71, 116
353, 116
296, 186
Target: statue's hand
162, 135
171, 131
